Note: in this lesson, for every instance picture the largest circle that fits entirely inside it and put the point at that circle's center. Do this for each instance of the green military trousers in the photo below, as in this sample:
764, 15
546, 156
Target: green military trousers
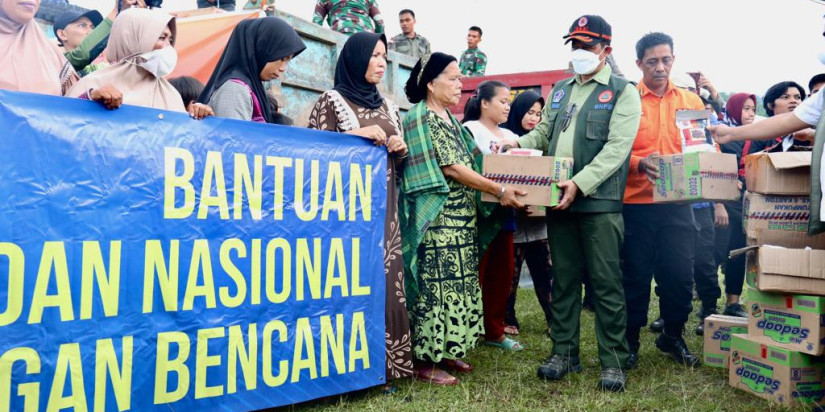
588, 242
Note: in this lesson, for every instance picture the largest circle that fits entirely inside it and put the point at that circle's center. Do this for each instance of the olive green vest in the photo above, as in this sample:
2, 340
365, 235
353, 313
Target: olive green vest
592, 128
815, 223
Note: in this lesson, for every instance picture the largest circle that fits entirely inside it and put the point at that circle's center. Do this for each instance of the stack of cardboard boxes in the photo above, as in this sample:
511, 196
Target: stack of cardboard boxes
780, 356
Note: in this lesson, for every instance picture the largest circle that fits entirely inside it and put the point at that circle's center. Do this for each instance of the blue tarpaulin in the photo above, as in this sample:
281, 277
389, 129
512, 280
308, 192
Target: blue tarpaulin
152, 261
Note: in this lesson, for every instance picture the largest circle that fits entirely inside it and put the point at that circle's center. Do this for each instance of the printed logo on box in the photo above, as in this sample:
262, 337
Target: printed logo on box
781, 327
756, 376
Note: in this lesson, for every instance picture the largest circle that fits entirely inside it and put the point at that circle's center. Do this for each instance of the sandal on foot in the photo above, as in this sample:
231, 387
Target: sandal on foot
431, 374
456, 365
506, 344
511, 330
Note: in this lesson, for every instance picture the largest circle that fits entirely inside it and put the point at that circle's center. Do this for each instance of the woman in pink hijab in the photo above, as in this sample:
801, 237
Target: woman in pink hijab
30, 62
141, 50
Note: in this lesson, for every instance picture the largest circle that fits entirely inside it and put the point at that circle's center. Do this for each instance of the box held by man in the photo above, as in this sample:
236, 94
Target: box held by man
536, 175
696, 177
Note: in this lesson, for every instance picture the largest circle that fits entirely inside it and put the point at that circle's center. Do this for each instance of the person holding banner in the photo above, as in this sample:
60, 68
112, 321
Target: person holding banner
258, 50
31, 63
354, 106
141, 49
439, 216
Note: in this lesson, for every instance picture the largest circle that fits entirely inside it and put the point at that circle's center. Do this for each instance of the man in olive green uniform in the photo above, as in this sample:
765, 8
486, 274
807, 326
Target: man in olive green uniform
409, 42
593, 118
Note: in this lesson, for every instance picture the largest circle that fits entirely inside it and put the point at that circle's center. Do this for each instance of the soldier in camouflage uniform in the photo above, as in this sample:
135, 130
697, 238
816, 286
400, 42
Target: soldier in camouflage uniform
473, 61
349, 16
409, 42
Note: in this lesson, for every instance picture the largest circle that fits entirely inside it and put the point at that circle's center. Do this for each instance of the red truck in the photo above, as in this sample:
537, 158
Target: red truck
539, 82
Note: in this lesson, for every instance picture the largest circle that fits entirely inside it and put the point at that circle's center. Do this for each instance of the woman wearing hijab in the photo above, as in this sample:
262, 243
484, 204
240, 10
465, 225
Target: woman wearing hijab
30, 62
740, 111
354, 106
141, 50
443, 225
258, 50
530, 238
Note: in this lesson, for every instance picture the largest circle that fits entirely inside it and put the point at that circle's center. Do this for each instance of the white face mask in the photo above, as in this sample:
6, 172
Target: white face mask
159, 62
584, 62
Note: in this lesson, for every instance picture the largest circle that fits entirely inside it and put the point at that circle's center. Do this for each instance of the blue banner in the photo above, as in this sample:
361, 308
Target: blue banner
152, 261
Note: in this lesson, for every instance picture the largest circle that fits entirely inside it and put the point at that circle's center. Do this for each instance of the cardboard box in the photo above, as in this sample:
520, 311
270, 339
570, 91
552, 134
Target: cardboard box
695, 177
537, 175
787, 173
781, 375
718, 329
779, 220
777, 269
795, 322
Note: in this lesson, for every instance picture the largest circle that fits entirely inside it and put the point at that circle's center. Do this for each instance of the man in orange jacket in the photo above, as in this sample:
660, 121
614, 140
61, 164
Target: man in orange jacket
659, 238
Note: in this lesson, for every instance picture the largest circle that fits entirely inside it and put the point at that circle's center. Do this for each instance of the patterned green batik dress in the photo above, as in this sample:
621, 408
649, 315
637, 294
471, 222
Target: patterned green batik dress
446, 317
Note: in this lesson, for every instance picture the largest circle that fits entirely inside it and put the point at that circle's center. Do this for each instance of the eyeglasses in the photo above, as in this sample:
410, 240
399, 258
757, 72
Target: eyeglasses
567, 117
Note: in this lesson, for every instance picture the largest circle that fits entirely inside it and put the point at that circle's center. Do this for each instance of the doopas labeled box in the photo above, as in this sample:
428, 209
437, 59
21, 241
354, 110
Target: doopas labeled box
718, 329
696, 177
795, 322
784, 376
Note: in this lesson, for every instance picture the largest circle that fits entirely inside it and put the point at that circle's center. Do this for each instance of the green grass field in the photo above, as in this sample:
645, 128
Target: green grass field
504, 381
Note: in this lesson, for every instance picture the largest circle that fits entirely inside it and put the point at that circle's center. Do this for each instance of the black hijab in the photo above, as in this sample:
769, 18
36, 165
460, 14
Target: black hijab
521, 105
428, 68
351, 69
253, 44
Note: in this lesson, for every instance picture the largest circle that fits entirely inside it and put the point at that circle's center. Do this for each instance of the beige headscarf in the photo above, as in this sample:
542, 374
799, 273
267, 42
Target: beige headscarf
134, 32
29, 62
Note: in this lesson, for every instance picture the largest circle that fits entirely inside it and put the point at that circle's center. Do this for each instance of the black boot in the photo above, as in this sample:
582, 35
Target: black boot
557, 366
735, 309
612, 379
705, 312
634, 345
677, 349
632, 360
657, 325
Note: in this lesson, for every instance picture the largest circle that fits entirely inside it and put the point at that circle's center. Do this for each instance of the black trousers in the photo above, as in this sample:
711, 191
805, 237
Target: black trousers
727, 239
660, 242
704, 265
537, 254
